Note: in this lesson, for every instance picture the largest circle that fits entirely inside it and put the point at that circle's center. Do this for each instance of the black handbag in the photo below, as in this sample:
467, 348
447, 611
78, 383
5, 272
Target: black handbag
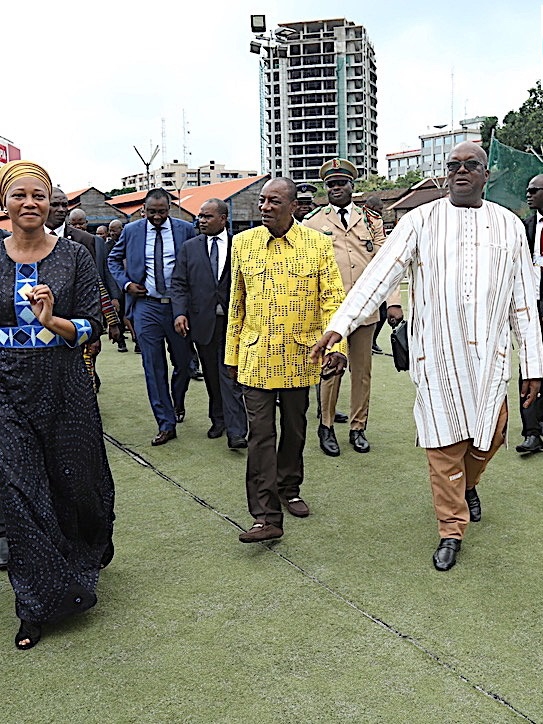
400, 346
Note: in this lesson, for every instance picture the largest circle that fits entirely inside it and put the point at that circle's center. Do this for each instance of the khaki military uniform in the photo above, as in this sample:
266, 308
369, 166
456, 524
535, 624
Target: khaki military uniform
352, 256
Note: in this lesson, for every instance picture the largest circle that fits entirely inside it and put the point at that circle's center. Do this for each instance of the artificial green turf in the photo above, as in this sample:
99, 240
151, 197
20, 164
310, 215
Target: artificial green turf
344, 619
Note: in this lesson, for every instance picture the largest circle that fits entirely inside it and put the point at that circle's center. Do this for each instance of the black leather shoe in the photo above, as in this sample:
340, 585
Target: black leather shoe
531, 444
197, 375
163, 437
341, 417
215, 431
179, 414
375, 349
357, 438
328, 442
237, 443
474, 505
445, 555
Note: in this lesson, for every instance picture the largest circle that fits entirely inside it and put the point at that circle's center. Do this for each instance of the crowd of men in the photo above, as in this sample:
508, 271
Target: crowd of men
290, 304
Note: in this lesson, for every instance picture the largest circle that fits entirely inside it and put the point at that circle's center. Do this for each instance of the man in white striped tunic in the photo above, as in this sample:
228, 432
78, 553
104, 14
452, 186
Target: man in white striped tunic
471, 281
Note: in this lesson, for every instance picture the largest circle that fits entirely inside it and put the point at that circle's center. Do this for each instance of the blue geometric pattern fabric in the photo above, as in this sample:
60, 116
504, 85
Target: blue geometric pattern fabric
29, 332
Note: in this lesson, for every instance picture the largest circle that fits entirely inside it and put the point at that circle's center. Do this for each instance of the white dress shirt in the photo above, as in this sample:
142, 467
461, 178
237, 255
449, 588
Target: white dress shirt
222, 246
348, 209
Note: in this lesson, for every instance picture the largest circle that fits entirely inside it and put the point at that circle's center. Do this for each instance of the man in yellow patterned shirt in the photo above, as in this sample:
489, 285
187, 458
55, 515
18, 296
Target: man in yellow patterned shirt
285, 288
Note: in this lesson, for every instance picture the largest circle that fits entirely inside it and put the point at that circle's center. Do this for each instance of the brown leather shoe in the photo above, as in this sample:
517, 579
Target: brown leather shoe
163, 437
296, 506
261, 531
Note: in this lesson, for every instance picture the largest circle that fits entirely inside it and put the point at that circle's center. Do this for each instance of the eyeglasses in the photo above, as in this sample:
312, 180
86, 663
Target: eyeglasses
534, 189
56, 204
471, 165
336, 182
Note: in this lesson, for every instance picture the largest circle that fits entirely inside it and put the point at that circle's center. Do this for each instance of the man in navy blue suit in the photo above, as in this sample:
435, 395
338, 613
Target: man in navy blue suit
142, 262
200, 298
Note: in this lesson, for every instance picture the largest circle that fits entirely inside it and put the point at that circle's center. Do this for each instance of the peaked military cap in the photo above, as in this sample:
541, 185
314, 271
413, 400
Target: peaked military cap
338, 168
305, 190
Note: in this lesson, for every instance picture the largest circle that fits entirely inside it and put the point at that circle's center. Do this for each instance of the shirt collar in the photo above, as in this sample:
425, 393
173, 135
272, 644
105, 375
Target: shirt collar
165, 225
223, 236
60, 231
348, 208
292, 236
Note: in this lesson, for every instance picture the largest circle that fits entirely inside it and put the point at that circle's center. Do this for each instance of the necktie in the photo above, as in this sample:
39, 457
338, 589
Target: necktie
541, 242
52, 233
160, 282
214, 258
343, 214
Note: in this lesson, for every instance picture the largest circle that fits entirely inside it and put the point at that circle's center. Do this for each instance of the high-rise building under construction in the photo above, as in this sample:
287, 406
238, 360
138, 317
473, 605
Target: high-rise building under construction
318, 98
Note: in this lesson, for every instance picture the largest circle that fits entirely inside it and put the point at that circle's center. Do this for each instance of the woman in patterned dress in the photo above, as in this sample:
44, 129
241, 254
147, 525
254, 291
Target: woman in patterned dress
56, 487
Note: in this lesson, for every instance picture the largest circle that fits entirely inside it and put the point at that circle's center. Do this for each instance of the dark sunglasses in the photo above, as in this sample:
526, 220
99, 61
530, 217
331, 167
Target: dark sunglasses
471, 165
534, 189
56, 204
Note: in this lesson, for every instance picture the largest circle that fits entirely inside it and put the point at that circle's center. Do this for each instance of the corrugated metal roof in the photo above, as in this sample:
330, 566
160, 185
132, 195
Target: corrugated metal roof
192, 197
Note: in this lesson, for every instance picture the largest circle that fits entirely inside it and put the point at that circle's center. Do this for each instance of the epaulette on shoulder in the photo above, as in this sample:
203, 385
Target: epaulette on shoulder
312, 213
357, 208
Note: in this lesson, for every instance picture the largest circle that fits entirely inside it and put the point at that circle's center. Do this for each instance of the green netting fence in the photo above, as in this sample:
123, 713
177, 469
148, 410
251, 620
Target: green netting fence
510, 171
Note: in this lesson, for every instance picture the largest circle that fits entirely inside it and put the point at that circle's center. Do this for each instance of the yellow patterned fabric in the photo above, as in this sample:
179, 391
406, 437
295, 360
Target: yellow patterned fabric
284, 292
14, 170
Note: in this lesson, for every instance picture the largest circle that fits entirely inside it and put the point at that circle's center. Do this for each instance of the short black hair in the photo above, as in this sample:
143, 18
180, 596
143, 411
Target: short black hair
158, 194
222, 208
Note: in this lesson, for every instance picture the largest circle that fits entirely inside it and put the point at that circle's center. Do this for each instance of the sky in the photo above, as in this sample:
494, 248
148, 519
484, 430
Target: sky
83, 83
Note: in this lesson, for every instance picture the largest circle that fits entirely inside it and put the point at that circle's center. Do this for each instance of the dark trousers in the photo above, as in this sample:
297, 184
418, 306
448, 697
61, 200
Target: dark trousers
226, 405
153, 324
274, 470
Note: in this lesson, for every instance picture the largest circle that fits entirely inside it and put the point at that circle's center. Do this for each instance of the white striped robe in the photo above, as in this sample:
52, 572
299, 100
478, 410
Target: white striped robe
470, 281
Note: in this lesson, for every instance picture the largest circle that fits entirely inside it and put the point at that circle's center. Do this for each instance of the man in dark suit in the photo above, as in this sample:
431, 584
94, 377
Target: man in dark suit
142, 262
532, 416
200, 297
57, 226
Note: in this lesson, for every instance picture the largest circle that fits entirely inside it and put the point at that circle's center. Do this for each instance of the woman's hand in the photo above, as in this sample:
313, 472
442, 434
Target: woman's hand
41, 301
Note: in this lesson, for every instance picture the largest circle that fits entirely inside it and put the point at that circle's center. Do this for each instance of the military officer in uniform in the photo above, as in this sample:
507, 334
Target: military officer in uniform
357, 236
304, 196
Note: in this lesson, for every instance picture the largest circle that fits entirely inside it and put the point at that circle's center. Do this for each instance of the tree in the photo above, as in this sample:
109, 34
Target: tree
523, 129
488, 125
120, 192
374, 183
410, 179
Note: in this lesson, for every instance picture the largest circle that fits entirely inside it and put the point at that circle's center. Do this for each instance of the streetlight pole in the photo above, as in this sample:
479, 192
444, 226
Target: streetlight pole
147, 164
269, 48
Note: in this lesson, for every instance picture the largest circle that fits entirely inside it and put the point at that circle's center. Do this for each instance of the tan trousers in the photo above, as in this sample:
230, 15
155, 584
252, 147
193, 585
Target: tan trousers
360, 342
455, 468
